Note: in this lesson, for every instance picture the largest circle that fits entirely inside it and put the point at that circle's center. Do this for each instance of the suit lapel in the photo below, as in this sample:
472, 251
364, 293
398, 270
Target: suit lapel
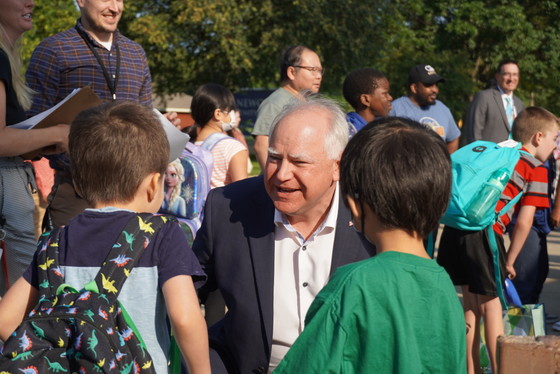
519, 106
346, 245
262, 258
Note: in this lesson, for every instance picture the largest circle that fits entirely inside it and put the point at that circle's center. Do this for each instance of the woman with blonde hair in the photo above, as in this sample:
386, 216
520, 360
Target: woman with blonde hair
16, 145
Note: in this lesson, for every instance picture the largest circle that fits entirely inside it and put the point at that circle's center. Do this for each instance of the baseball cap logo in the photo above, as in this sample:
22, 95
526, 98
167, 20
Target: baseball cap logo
430, 70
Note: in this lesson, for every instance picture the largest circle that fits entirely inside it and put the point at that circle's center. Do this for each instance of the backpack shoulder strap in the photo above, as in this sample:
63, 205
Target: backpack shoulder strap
49, 272
128, 248
214, 138
190, 147
497, 271
509, 205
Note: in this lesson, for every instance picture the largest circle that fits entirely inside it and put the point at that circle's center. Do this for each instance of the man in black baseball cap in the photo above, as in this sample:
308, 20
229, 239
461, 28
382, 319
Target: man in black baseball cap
421, 104
425, 74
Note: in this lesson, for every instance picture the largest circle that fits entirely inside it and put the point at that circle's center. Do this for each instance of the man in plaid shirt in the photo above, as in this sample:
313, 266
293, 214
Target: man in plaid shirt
91, 53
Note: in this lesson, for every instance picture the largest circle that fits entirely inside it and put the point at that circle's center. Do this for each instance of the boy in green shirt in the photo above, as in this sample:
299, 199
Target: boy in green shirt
397, 312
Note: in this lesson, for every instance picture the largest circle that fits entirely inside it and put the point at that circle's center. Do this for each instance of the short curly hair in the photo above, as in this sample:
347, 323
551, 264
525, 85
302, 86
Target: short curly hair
359, 82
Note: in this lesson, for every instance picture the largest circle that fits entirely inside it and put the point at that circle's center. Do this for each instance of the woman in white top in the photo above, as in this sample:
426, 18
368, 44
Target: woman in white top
212, 109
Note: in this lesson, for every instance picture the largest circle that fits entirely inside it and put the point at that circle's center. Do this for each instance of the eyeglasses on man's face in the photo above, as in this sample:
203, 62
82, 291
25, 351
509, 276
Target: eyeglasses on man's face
313, 69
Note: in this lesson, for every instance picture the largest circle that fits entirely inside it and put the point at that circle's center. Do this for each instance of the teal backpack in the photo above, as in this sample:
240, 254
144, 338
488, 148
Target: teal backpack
473, 168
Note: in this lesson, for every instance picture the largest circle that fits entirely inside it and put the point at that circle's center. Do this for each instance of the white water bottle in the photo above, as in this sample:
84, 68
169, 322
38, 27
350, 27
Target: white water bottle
486, 199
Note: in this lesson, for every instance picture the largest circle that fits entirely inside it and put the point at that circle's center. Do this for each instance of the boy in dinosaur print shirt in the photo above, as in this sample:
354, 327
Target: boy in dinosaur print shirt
119, 155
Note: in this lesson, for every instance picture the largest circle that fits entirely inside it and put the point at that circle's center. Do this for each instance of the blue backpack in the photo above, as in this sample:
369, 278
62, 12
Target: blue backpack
472, 167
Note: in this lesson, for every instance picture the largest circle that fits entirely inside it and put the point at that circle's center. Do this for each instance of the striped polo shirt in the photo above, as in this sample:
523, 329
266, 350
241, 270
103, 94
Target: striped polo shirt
531, 177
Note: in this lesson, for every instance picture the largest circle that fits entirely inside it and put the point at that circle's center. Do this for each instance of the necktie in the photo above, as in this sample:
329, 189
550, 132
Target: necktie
509, 111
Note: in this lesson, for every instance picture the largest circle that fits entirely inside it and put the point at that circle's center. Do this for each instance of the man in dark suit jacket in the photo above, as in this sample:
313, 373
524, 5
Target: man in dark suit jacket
251, 227
487, 118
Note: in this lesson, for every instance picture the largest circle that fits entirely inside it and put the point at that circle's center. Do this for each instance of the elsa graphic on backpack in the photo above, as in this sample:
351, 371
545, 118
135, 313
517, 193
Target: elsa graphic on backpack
173, 203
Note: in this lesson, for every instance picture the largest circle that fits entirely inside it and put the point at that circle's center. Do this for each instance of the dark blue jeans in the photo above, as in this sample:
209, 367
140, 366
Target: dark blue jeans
531, 267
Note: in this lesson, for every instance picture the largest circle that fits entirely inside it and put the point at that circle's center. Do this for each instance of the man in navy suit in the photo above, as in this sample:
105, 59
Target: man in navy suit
270, 243
492, 111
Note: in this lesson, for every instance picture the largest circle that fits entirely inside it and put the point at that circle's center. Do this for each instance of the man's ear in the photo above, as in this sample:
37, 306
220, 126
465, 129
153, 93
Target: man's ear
291, 72
154, 184
413, 88
336, 171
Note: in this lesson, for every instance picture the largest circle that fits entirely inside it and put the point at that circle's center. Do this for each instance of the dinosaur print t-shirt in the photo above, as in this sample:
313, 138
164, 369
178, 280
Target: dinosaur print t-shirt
88, 239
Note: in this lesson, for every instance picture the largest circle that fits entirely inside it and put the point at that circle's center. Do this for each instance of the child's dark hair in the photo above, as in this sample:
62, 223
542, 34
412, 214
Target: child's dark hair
207, 98
401, 170
359, 82
532, 120
113, 147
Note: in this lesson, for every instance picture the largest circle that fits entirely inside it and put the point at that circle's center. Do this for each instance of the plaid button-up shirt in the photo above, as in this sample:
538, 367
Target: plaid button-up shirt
63, 62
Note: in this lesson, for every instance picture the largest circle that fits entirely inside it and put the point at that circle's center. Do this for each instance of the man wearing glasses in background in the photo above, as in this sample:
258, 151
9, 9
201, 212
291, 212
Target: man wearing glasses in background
492, 111
300, 72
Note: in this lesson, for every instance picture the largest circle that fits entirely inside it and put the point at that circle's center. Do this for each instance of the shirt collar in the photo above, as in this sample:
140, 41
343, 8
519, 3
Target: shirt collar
355, 119
280, 218
502, 92
109, 209
80, 27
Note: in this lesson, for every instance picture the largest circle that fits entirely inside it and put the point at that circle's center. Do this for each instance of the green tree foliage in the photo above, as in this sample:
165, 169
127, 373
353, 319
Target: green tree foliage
193, 42
238, 42
49, 17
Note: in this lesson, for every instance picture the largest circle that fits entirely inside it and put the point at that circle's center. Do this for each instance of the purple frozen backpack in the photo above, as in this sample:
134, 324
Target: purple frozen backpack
194, 170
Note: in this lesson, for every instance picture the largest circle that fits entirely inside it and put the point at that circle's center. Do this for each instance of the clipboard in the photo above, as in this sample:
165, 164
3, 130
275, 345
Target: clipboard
64, 112
68, 109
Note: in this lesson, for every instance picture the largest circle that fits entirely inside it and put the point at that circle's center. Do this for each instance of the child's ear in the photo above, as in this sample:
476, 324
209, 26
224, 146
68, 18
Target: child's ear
355, 208
154, 185
537, 138
76, 188
364, 99
217, 114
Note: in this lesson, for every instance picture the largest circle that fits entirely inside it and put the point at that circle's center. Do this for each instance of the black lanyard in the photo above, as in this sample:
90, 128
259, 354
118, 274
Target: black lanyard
112, 84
